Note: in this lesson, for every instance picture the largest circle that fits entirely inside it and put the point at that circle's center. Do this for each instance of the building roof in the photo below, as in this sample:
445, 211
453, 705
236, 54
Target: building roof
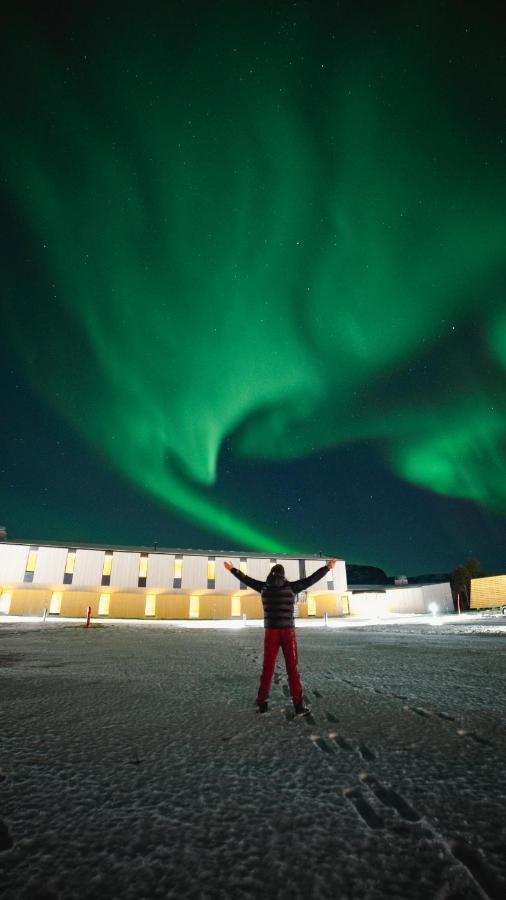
155, 548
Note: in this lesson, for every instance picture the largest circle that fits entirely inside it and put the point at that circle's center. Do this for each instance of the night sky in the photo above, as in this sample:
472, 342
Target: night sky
253, 295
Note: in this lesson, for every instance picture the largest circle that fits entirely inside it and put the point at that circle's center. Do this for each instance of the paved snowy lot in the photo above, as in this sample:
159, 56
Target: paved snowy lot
133, 764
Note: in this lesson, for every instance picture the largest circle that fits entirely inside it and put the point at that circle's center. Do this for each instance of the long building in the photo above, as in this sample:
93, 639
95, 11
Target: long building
151, 584
489, 593
127, 583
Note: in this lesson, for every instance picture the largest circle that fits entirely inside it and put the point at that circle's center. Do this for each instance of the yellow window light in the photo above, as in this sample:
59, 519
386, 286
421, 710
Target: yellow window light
311, 605
71, 561
31, 561
55, 604
5, 602
346, 605
107, 567
143, 567
150, 609
178, 568
211, 566
103, 604
194, 607
236, 606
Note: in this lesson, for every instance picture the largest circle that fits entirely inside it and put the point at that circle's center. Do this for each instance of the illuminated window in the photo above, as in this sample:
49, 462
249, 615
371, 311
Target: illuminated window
178, 571
103, 604
236, 606
194, 608
69, 567
5, 602
30, 564
106, 569
150, 609
311, 605
71, 561
211, 572
346, 604
55, 604
143, 570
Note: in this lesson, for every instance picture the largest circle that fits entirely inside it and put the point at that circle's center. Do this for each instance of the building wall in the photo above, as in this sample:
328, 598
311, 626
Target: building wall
12, 562
212, 605
50, 565
29, 602
441, 594
194, 572
176, 585
46, 586
251, 606
88, 567
132, 604
224, 581
160, 570
409, 600
125, 570
172, 606
74, 604
488, 593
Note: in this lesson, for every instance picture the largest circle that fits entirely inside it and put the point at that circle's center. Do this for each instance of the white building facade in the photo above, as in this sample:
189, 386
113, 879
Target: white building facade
131, 583
183, 584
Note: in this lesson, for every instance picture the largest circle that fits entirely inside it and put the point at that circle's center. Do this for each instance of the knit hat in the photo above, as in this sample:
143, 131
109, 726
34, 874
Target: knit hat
278, 569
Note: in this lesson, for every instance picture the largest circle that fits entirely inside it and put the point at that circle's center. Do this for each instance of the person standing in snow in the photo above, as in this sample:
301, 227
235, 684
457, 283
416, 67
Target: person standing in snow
278, 598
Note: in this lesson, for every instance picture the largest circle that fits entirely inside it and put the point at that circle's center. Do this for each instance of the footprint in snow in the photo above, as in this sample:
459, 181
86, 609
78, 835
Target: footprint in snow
6, 841
390, 798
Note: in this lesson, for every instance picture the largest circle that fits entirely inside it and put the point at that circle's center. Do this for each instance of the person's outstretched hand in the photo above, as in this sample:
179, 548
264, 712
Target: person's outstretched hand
331, 563
228, 566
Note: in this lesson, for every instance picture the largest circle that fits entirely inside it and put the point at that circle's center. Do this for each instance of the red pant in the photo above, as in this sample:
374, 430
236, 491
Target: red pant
274, 638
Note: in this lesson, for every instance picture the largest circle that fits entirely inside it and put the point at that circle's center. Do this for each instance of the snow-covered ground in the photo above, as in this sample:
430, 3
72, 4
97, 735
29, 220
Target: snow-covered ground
133, 764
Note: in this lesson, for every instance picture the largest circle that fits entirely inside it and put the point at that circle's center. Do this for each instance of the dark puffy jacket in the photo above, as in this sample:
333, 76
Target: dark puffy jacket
278, 595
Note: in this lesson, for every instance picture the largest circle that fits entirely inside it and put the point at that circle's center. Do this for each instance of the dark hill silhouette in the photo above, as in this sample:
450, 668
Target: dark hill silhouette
433, 578
365, 575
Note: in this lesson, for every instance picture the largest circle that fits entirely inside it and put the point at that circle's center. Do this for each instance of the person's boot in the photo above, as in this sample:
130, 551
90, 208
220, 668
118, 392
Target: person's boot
262, 707
302, 710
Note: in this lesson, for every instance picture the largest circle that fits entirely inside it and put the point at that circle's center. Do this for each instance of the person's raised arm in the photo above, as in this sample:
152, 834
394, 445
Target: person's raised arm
241, 576
303, 583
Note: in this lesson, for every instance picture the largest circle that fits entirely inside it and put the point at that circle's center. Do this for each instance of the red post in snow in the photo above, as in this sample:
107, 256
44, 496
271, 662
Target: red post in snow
88, 617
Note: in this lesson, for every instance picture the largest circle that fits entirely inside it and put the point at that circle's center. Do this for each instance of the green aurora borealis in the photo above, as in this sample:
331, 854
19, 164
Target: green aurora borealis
281, 229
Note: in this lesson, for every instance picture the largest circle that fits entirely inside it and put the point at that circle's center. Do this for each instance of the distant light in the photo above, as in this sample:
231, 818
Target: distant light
194, 610
55, 603
433, 608
311, 605
150, 607
143, 565
70, 563
103, 604
236, 606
